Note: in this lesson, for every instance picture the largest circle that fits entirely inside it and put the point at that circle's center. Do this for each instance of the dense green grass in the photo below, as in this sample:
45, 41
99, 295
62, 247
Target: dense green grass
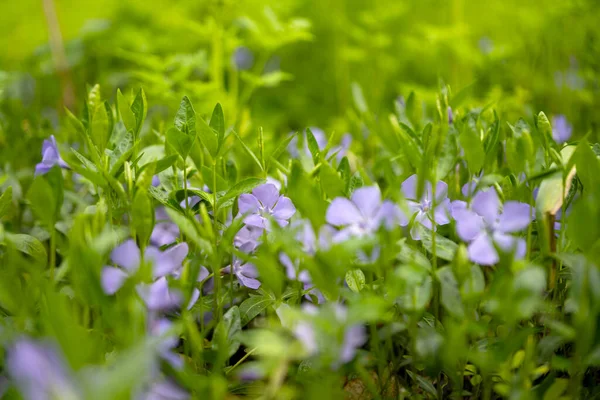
225, 199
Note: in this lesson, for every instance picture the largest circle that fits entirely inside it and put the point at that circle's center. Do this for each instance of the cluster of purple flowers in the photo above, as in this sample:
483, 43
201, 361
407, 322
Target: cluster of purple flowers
483, 223
259, 210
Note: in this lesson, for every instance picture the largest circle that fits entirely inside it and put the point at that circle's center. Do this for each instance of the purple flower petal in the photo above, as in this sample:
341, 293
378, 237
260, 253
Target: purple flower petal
486, 204
305, 333
39, 371
267, 194
284, 209
367, 200
482, 251
354, 337
456, 207
158, 297
164, 390
390, 214
248, 282
256, 221
441, 192
409, 187
169, 260
112, 279
342, 211
468, 224
561, 129
511, 244
442, 212
515, 217
127, 255
247, 203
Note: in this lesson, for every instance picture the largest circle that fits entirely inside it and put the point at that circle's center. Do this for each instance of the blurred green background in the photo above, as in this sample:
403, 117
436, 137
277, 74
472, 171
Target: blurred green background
302, 62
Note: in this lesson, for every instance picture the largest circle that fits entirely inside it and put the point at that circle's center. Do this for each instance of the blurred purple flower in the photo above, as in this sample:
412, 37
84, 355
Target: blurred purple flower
561, 129
203, 273
165, 231
265, 202
155, 181
158, 297
248, 238
362, 215
242, 58
354, 335
245, 272
127, 256
158, 328
293, 272
39, 371
427, 211
50, 157
484, 225
450, 115
164, 390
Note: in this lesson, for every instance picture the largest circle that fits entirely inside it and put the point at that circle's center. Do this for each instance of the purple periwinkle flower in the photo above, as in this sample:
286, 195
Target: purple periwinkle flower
263, 203
362, 215
484, 226
245, 272
165, 231
39, 371
427, 211
127, 256
561, 129
50, 157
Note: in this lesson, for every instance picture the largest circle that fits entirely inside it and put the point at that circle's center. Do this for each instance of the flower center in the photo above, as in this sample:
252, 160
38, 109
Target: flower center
426, 205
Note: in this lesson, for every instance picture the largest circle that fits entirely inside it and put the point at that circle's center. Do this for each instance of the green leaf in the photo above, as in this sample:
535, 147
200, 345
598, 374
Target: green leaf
180, 141
473, 148
163, 198
164, 163
253, 306
188, 227
142, 217
355, 279
444, 248
556, 390
545, 129
217, 123
75, 123
228, 330
313, 146
185, 119
243, 186
125, 112
359, 98
6, 202
249, 151
100, 125
94, 99
331, 182
42, 201
29, 245
450, 295
139, 107
281, 147
588, 167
